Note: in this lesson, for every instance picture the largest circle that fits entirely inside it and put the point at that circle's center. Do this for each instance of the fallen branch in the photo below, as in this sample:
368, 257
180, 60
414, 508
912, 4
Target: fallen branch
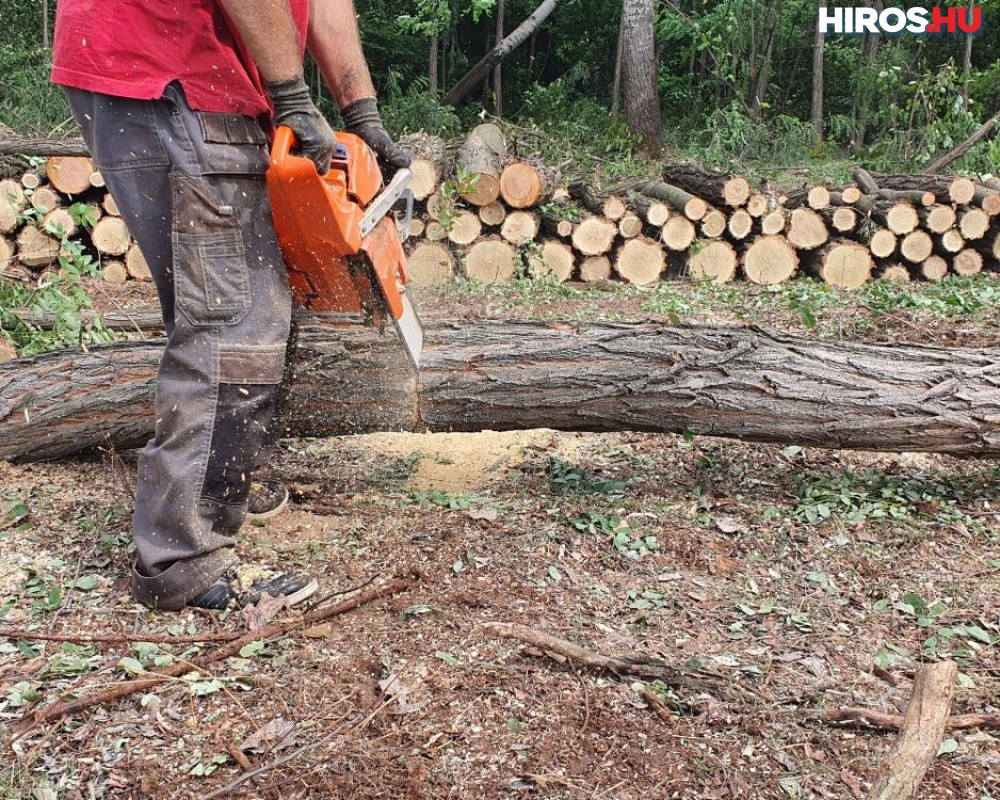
944, 160
18, 146
14, 635
867, 718
61, 709
639, 666
920, 736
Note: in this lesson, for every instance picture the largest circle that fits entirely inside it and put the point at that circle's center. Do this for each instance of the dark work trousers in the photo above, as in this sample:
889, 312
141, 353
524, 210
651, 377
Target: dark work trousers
191, 188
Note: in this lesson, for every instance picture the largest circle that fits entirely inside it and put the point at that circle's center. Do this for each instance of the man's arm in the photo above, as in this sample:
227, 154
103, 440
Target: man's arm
336, 45
269, 33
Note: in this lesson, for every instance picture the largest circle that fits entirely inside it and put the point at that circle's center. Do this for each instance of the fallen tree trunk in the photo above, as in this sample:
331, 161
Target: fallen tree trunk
735, 382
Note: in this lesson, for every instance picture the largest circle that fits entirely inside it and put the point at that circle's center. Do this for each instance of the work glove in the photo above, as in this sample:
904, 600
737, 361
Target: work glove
294, 107
361, 117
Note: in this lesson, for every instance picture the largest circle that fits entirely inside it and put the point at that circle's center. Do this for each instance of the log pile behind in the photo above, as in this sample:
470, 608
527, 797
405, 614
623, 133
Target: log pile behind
706, 225
64, 200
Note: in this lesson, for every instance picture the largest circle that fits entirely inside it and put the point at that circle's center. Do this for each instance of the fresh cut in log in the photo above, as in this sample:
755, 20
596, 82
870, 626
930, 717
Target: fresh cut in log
430, 264
70, 174
553, 258
525, 184
498, 375
640, 261
713, 261
770, 260
482, 156
594, 236
491, 260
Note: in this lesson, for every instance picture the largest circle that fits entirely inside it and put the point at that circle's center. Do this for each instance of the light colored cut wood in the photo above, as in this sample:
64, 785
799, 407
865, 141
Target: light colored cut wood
916, 246
736, 190
7, 351
938, 218
850, 194
901, 218
770, 260
525, 184
493, 214
883, 243
614, 208
967, 262
757, 205
491, 260
13, 193
629, 226
595, 269
844, 219
818, 198
434, 231
774, 222
114, 272
846, 265
135, 263
951, 241
713, 261
110, 236
678, 233
435, 205
988, 200
97, 179
934, 268
640, 261
465, 228
896, 273
553, 258
740, 224
69, 174
429, 163
806, 229
7, 251
9, 217
694, 208
31, 180
713, 224
974, 223
61, 223
653, 212
35, 248
110, 206
594, 236
482, 155
417, 227
520, 227
44, 199
430, 264
962, 191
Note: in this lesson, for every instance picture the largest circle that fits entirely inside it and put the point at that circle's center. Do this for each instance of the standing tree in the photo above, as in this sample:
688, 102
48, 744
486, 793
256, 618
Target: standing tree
817, 94
639, 72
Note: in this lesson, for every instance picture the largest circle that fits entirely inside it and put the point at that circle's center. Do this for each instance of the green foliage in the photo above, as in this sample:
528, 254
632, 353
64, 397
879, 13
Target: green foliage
623, 538
28, 101
566, 477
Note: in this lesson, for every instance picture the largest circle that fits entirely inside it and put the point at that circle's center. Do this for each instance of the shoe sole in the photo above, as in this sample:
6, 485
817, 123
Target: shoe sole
268, 514
302, 594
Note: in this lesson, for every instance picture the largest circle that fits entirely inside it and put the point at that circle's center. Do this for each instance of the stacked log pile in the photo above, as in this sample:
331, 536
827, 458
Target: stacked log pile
64, 200
711, 226
486, 211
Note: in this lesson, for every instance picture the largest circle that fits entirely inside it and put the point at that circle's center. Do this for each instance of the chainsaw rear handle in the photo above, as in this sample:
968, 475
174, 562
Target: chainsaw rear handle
284, 142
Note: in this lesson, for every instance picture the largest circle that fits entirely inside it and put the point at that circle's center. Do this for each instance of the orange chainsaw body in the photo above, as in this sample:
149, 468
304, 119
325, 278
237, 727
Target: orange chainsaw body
317, 218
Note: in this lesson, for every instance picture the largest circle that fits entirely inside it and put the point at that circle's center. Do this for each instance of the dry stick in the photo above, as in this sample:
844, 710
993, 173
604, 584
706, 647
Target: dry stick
920, 737
61, 709
14, 635
639, 666
865, 717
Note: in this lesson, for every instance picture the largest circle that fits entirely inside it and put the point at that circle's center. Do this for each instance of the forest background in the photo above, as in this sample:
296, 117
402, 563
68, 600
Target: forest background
742, 83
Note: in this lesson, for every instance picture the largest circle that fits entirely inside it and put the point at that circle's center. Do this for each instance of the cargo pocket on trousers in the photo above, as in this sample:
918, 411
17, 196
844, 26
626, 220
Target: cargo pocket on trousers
211, 284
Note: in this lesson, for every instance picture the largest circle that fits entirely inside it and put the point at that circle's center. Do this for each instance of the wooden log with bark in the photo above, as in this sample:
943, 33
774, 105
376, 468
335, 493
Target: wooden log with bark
973, 223
70, 174
967, 262
595, 269
520, 227
844, 264
678, 233
933, 268
770, 260
640, 261
430, 164
882, 243
493, 214
482, 155
736, 382
36, 248
691, 206
110, 236
552, 258
652, 212
465, 228
593, 236
430, 264
740, 224
806, 229
714, 261
713, 224
720, 189
527, 183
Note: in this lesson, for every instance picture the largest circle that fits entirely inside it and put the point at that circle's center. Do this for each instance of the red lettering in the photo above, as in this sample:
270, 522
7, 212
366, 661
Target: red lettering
970, 26
945, 22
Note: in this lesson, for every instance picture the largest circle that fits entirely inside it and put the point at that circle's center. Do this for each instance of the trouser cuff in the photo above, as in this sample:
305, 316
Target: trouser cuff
177, 586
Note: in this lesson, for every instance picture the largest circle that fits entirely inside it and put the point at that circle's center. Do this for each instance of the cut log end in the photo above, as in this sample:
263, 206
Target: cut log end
135, 263
883, 243
740, 224
640, 261
110, 236
70, 174
770, 260
916, 247
594, 236
846, 265
595, 269
553, 258
114, 272
713, 224
713, 261
967, 262
520, 227
806, 230
678, 233
430, 264
491, 261
465, 228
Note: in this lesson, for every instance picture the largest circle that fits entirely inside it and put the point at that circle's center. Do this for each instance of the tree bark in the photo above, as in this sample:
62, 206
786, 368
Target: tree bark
43, 147
639, 78
817, 77
736, 382
518, 36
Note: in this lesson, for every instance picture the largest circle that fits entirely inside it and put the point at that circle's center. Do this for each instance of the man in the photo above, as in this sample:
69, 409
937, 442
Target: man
173, 100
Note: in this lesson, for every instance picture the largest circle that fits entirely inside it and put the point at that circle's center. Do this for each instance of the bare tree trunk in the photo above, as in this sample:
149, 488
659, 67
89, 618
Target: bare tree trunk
817, 93
869, 49
432, 65
763, 75
967, 61
737, 382
45, 24
518, 36
616, 85
639, 74
497, 79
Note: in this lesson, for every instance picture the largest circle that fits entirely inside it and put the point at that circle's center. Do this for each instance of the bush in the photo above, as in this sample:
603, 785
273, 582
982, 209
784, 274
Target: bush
29, 103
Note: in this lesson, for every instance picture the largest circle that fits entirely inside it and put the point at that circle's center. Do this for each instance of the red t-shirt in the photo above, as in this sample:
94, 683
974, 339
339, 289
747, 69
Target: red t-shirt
134, 48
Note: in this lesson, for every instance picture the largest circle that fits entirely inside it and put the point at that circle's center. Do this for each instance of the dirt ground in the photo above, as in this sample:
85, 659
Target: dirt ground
796, 579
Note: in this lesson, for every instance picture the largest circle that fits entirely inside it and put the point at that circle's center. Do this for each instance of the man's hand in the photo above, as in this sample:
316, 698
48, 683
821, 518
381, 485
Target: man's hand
294, 107
361, 117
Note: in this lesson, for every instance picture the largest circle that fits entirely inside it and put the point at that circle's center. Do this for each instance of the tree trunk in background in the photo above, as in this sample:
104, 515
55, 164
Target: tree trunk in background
616, 84
763, 73
639, 74
817, 94
432, 65
869, 49
518, 36
967, 61
497, 79
45, 24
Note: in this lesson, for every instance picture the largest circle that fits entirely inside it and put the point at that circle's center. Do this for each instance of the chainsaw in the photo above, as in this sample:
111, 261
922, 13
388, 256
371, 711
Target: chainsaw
341, 236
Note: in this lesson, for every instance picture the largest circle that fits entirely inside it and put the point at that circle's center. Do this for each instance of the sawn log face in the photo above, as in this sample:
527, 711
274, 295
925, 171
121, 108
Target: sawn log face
735, 382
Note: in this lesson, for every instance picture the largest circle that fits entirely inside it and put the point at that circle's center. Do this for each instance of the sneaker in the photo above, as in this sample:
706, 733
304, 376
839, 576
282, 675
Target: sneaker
244, 584
266, 499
